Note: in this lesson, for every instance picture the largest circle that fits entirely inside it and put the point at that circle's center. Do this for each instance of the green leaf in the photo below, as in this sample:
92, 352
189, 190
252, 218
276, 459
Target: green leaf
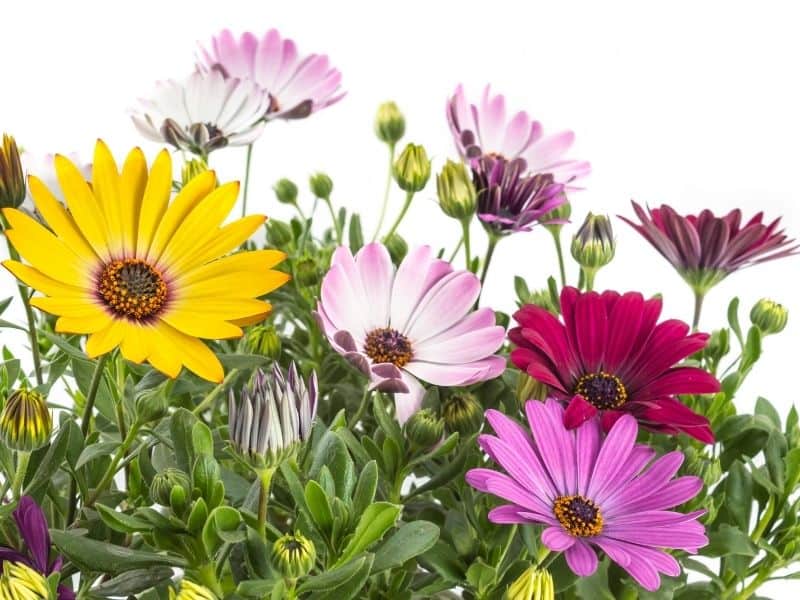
481, 576
372, 526
728, 540
340, 582
752, 349
202, 440
595, 586
409, 541
132, 582
49, 464
100, 557
442, 559
765, 408
355, 235
387, 423
318, 505
332, 452
122, 522
367, 485
97, 450
243, 362
180, 427
733, 319
521, 288
739, 494
792, 469
223, 525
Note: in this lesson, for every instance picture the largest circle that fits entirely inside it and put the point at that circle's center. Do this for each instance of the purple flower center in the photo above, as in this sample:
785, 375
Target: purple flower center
387, 345
578, 515
603, 390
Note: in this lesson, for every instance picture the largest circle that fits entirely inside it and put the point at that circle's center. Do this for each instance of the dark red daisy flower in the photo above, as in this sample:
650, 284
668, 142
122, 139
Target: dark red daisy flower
610, 356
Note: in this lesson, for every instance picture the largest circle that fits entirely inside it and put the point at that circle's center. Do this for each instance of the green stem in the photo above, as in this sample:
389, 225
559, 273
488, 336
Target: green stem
752, 586
91, 395
265, 477
409, 196
246, 178
512, 531
336, 225
30, 317
588, 280
212, 395
362, 407
307, 229
207, 575
385, 194
467, 253
111, 471
493, 240
698, 307
457, 248
556, 233
19, 474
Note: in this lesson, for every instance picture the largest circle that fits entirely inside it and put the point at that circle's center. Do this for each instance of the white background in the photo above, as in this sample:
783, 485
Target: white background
693, 104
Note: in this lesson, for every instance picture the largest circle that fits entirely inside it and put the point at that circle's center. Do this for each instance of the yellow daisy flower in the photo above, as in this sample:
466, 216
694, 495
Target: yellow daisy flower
129, 268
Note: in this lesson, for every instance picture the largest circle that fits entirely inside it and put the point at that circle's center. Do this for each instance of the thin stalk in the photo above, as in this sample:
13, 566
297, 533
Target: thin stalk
19, 473
336, 225
120, 404
212, 395
265, 477
111, 471
91, 395
362, 407
409, 196
467, 253
246, 178
457, 248
588, 275
385, 193
493, 239
698, 307
307, 229
556, 233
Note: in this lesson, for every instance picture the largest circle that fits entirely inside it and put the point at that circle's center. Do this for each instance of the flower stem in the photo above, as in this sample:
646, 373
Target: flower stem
556, 233
246, 178
493, 239
698, 307
385, 194
588, 280
456, 249
362, 407
409, 196
212, 395
265, 477
336, 225
307, 227
467, 253
91, 395
19, 474
111, 471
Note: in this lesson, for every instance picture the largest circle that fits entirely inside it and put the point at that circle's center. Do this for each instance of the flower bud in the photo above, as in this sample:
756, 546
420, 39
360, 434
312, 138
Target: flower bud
529, 388
462, 413
593, 246
543, 299
412, 169
555, 219
163, 482
457, 195
533, 584
397, 247
293, 555
718, 344
306, 272
12, 177
769, 316
279, 234
25, 423
285, 191
192, 168
321, 185
424, 428
191, 591
18, 580
151, 405
390, 124
263, 340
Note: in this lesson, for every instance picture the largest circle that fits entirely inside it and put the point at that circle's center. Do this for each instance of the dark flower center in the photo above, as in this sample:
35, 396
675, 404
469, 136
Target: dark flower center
132, 288
603, 390
387, 345
578, 515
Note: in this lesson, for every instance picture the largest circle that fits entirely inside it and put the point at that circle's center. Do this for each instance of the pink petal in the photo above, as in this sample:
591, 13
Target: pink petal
446, 303
416, 275
377, 272
614, 453
556, 539
578, 412
463, 348
409, 403
581, 559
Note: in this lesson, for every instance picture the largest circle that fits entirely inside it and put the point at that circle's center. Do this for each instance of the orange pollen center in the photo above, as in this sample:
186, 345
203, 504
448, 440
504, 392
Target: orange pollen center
387, 345
578, 515
132, 288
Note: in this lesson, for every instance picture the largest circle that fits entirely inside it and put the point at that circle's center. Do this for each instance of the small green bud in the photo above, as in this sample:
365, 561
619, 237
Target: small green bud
151, 405
412, 169
191, 591
529, 388
306, 272
293, 555
424, 428
769, 316
718, 344
285, 191
321, 185
12, 177
543, 299
560, 213
25, 423
263, 340
390, 124
192, 168
593, 246
163, 482
397, 247
533, 584
279, 234
462, 413
457, 195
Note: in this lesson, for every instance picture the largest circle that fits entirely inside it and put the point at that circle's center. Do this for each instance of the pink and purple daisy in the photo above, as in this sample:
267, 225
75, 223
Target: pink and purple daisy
413, 323
591, 493
610, 356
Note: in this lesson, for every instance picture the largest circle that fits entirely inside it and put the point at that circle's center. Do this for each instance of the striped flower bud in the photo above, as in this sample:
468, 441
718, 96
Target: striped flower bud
25, 423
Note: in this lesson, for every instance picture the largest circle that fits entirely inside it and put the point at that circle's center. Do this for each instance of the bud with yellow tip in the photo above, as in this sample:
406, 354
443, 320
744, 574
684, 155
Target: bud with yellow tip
12, 177
412, 169
25, 423
533, 584
457, 195
769, 316
390, 124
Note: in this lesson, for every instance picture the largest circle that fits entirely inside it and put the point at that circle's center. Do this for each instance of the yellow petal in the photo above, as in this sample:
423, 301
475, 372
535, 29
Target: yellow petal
59, 220
161, 352
132, 184
68, 306
223, 309
135, 345
255, 262
45, 251
106, 339
232, 285
194, 354
253, 319
226, 239
41, 282
154, 202
105, 183
83, 206
180, 208
200, 325
85, 324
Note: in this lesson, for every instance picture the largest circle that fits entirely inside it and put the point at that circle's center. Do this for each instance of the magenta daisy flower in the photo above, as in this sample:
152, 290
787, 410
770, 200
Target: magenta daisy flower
298, 85
705, 248
413, 323
591, 493
610, 356
484, 129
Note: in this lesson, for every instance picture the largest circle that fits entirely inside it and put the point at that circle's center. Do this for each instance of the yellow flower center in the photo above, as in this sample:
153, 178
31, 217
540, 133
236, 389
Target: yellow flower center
132, 288
603, 390
578, 515
20, 582
387, 345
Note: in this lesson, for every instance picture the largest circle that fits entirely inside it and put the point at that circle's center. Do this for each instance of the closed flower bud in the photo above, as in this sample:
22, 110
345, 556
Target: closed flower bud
462, 413
293, 555
25, 423
18, 580
533, 584
555, 219
543, 299
718, 344
151, 405
263, 340
191, 591
457, 195
279, 234
529, 388
12, 177
769, 316
192, 168
397, 247
424, 428
285, 191
390, 124
163, 482
306, 272
412, 169
593, 246
321, 185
